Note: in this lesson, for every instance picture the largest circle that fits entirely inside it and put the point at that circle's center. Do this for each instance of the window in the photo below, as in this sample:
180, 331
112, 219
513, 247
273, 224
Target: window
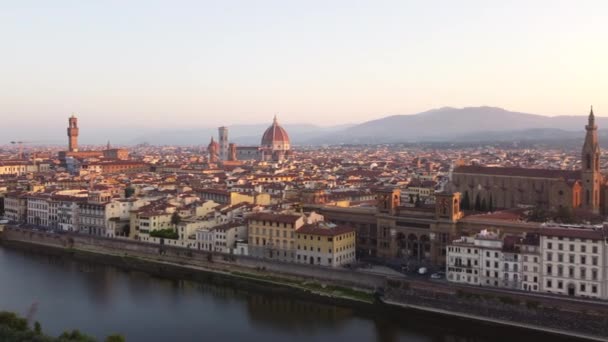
549, 269
594, 288
583, 273
549, 256
560, 270
583, 249
549, 245
560, 285
583, 259
571, 258
583, 288
594, 249
560, 246
594, 261
571, 248
594, 274
549, 283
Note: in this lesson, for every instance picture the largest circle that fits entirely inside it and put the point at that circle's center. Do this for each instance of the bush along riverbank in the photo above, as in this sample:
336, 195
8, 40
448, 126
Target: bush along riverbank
16, 329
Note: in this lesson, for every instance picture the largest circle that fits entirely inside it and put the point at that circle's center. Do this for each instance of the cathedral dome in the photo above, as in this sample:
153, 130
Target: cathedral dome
275, 137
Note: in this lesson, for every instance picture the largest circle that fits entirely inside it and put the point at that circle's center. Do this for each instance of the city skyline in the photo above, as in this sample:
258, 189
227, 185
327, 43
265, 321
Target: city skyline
204, 64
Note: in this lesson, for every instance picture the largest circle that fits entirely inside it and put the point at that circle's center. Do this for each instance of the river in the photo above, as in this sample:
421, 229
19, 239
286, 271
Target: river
62, 293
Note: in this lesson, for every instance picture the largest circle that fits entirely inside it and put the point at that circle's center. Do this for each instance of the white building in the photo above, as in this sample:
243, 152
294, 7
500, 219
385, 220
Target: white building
559, 260
574, 262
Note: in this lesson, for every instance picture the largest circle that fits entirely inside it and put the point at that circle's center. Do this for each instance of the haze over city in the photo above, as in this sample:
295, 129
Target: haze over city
183, 64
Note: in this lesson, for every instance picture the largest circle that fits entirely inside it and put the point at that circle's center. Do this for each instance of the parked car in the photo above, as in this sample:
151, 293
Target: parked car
438, 275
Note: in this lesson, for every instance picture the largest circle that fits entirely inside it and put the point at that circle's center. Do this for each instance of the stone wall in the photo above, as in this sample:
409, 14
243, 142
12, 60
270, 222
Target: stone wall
184, 256
543, 311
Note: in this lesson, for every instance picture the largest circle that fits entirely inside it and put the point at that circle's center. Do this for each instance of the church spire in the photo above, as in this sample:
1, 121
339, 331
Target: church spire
591, 117
275, 121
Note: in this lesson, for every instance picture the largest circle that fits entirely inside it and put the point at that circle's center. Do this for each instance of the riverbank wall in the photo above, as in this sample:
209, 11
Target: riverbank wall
203, 259
576, 318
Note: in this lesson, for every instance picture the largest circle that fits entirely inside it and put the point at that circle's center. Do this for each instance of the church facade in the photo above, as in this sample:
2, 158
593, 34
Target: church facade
506, 188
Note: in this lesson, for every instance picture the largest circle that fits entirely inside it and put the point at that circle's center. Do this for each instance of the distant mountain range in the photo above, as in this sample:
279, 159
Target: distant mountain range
463, 124
471, 124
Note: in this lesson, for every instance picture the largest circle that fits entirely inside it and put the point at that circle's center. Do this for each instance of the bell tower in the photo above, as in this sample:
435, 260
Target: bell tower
590, 172
73, 134
387, 200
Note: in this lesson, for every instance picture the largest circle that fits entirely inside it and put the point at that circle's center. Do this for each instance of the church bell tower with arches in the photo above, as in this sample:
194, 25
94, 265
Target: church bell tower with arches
590, 172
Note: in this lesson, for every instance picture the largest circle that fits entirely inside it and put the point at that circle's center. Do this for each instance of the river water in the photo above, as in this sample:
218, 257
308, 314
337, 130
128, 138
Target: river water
62, 293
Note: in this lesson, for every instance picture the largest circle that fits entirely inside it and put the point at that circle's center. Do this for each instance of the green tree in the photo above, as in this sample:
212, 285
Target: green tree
491, 204
129, 191
37, 328
175, 219
465, 203
12, 321
477, 203
484, 205
75, 336
115, 338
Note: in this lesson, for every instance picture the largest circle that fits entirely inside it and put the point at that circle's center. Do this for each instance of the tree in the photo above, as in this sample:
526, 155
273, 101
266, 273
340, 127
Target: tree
477, 203
37, 328
115, 338
129, 191
465, 204
491, 204
175, 219
564, 215
484, 205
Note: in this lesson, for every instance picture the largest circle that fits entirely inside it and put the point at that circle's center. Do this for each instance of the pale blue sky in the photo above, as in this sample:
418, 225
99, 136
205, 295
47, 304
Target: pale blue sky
205, 63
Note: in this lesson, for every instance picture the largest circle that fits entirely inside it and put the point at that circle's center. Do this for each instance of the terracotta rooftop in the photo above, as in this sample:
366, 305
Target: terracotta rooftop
281, 218
314, 229
592, 234
518, 172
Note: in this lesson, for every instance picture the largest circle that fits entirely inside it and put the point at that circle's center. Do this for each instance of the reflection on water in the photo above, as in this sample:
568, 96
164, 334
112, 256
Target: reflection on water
100, 300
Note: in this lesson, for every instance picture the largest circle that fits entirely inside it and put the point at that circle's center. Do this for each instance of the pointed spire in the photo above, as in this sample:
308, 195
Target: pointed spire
274, 121
108, 145
591, 117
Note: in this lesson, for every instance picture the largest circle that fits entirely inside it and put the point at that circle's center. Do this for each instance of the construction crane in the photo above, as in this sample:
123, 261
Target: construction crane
20, 144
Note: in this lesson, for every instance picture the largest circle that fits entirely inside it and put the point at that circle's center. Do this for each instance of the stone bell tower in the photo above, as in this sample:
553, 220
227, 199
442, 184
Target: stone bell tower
447, 206
73, 134
590, 172
387, 200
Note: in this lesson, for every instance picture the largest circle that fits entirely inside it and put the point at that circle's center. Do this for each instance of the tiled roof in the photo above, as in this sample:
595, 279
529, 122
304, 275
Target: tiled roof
518, 172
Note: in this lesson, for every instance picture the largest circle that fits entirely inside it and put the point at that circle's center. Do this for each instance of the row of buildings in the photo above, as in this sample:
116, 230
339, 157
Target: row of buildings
569, 261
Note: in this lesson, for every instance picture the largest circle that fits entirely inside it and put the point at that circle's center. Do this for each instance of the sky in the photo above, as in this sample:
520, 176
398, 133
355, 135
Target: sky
173, 64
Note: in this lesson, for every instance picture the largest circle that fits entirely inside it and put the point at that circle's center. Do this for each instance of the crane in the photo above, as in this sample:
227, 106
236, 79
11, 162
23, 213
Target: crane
20, 144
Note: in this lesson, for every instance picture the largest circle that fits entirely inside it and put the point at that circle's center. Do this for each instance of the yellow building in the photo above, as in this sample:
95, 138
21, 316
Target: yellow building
272, 236
259, 199
325, 244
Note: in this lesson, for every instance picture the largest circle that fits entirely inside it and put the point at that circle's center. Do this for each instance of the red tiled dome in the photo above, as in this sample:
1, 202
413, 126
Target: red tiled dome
275, 134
